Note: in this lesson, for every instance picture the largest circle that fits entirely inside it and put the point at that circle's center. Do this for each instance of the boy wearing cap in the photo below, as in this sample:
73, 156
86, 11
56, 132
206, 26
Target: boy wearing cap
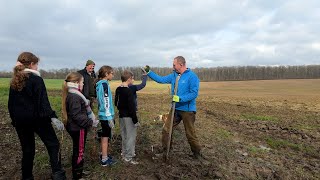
89, 77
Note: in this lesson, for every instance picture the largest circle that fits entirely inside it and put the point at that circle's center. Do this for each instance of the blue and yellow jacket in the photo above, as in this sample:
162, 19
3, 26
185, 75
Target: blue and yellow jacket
188, 87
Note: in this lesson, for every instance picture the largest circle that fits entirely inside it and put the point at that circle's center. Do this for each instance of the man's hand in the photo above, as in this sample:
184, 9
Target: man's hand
175, 98
147, 68
59, 125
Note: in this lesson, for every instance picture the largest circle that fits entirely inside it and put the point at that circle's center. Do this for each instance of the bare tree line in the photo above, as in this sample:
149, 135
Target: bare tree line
235, 73
241, 73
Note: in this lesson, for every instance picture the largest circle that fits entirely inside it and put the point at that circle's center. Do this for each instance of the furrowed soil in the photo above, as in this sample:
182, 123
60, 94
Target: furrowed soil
248, 130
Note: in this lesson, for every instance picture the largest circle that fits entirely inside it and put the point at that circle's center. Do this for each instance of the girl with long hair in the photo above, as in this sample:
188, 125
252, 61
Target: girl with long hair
105, 112
31, 113
78, 118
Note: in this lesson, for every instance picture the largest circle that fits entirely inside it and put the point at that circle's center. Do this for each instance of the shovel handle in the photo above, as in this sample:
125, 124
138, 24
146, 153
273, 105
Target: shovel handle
172, 116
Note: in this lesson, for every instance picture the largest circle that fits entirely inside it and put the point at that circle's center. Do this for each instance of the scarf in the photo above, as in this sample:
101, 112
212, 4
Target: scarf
37, 73
73, 88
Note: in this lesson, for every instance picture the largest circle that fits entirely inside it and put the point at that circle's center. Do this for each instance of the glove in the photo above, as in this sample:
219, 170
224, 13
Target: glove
175, 98
95, 123
144, 72
137, 124
111, 123
59, 125
147, 68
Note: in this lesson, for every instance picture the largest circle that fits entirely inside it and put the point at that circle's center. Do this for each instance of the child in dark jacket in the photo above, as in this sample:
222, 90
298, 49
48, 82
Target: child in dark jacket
134, 88
79, 116
125, 102
31, 113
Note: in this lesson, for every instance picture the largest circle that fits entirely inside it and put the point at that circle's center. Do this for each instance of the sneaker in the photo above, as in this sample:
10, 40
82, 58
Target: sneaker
86, 173
131, 161
134, 155
109, 156
107, 162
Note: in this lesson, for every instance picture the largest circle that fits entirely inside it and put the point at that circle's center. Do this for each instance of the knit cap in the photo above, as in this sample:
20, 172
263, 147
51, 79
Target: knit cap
89, 62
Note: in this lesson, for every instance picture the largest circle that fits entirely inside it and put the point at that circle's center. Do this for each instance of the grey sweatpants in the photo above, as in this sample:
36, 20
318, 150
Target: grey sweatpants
128, 135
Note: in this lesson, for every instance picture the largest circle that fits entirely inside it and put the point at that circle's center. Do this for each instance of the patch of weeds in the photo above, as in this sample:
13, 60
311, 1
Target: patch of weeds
302, 173
253, 117
223, 134
280, 143
256, 150
41, 160
307, 127
311, 151
4, 94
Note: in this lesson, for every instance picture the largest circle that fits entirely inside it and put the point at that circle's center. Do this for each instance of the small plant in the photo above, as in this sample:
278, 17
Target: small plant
257, 150
222, 133
253, 117
41, 160
254, 149
280, 143
307, 127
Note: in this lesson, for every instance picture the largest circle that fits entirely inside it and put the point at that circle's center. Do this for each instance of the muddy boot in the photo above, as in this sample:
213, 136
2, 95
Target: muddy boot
59, 175
199, 156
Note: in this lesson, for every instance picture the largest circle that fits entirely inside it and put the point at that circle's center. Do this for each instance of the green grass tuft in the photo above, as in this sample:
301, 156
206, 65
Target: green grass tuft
223, 134
280, 143
253, 117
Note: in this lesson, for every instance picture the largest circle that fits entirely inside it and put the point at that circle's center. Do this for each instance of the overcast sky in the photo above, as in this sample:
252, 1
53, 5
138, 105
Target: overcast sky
208, 33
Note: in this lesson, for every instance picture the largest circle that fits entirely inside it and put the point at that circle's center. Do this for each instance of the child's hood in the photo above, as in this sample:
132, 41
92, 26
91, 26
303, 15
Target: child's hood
99, 83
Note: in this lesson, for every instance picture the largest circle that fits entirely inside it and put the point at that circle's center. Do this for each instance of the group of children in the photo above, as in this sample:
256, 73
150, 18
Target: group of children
31, 112
79, 116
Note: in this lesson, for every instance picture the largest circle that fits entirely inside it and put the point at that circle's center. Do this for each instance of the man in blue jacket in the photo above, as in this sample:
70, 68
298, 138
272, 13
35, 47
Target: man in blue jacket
185, 99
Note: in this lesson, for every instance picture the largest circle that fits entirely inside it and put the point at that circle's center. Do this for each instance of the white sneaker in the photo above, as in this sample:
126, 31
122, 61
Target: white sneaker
131, 161
122, 154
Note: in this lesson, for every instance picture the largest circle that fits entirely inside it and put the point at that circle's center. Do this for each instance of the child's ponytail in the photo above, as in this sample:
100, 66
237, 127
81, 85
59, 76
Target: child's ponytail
19, 76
